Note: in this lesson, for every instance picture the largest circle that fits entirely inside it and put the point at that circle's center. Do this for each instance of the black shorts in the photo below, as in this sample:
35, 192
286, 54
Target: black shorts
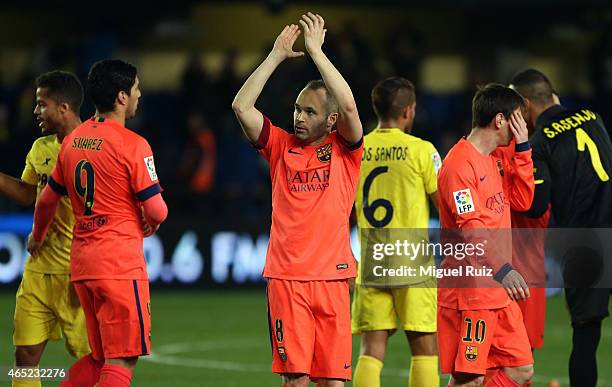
587, 304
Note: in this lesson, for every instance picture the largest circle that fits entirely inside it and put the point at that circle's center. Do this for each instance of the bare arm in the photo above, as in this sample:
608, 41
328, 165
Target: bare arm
348, 125
433, 198
249, 117
18, 190
43, 215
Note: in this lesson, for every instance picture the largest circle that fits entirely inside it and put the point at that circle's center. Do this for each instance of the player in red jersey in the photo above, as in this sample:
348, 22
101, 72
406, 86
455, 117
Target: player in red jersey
481, 328
109, 175
314, 177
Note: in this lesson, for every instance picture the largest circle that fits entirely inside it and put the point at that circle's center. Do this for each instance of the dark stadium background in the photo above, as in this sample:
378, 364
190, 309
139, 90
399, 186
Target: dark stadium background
208, 301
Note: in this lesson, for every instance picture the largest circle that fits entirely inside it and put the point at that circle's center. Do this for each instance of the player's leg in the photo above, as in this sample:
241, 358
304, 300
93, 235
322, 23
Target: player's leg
373, 317
295, 380
69, 312
291, 325
464, 342
510, 349
124, 316
587, 308
34, 323
416, 307
331, 364
117, 372
86, 370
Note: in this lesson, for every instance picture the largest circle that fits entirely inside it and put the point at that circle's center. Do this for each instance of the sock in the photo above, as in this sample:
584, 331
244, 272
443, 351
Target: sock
114, 376
501, 379
367, 372
424, 371
583, 360
20, 382
85, 372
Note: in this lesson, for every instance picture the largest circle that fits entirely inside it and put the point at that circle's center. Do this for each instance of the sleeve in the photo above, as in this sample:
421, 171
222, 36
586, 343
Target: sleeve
461, 193
430, 165
56, 180
29, 173
141, 167
351, 153
270, 141
522, 181
542, 181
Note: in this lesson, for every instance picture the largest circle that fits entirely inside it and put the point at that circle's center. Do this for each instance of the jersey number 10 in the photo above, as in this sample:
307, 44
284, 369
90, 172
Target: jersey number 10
85, 191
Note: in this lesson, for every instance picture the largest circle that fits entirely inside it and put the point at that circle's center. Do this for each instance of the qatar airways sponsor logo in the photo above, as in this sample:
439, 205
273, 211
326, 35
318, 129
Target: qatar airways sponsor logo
313, 180
497, 203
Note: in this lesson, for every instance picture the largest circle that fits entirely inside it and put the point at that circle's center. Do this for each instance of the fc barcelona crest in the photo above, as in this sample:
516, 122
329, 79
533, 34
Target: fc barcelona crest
282, 354
471, 352
324, 153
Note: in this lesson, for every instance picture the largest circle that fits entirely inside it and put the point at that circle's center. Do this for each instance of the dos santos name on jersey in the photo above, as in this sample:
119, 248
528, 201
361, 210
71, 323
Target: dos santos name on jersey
569, 123
87, 143
389, 153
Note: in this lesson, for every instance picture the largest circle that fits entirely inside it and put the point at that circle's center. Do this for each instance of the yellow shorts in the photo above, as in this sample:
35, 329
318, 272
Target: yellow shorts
48, 308
378, 309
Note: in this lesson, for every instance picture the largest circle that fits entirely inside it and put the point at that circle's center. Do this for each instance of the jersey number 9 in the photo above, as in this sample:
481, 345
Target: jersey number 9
85, 191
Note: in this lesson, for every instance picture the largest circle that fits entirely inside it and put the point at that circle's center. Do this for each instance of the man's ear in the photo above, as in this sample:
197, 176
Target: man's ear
498, 120
331, 120
63, 107
122, 98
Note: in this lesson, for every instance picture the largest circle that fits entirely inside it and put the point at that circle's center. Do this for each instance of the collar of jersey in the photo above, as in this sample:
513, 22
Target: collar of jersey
383, 130
547, 115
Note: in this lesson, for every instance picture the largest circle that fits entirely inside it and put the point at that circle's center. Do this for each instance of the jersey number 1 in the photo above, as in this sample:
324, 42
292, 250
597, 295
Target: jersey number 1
583, 139
85, 191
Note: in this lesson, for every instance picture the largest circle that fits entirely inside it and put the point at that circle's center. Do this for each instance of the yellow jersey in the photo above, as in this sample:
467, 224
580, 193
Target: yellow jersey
398, 172
54, 256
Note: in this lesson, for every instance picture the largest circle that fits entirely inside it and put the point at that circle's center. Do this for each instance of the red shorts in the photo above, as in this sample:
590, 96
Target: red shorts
118, 317
310, 328
534, 316
472, 341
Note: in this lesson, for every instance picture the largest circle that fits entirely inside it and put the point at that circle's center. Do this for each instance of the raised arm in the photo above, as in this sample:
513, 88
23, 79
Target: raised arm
348, 125
249, 117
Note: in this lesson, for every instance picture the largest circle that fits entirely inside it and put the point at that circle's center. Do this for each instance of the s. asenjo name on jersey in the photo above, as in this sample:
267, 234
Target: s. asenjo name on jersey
463, 201
151, 167
312, 180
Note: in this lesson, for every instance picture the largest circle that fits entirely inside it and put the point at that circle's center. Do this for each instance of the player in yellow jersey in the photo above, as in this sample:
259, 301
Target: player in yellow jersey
398, 178
46, 305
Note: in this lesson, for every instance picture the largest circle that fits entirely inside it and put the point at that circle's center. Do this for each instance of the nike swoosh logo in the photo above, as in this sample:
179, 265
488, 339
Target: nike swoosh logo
294, 152
347, 366
482, 178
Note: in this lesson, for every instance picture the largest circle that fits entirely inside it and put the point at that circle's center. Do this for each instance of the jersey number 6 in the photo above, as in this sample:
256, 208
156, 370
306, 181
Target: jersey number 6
370, 208
85, 191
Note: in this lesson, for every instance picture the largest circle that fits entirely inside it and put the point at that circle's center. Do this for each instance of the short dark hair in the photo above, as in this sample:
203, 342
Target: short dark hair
390, 96
62, 87
492, 99
106, 79
534, 86
331, 105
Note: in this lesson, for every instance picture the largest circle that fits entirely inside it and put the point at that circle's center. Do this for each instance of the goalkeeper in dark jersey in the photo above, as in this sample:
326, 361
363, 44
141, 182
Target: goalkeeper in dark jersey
572, 157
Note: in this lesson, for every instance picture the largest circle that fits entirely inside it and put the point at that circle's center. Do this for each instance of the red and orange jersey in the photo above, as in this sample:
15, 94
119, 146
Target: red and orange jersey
473, 194
106, 170
313, 189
